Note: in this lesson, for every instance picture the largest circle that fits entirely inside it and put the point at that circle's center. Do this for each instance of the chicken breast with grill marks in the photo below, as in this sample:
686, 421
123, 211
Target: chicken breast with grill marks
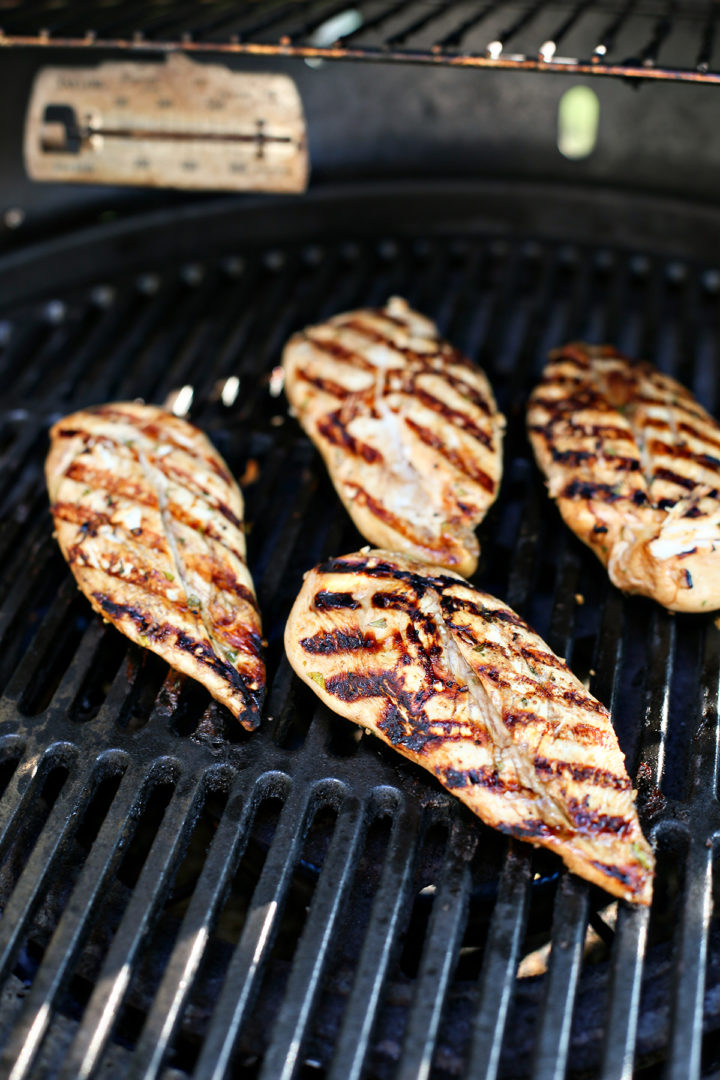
151, 523
407, 426
454, 680
634, 464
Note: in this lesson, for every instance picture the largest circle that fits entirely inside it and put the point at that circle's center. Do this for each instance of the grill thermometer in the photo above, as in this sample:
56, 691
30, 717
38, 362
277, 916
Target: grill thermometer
174, 124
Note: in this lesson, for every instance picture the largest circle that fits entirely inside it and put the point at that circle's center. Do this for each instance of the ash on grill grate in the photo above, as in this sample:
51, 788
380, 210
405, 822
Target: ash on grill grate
181, 897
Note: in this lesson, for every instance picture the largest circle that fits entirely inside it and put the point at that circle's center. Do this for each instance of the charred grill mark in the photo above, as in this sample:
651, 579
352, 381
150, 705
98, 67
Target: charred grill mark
158, 433
119, 566
187, 481
590, 821
331, 642
685, 482
529, 830
687, 429
707, 461
463, 464
566, 428
587, 457
585, 734
565, 407
582, 774
399, 525
219, 575
204, 653
339, 352
351, 686
160, 632
454, 416
452, 603
394, 601
111, 484
629, 877
202, 528
486, 777
332, 601
332, 428
243, 639
419, 582
143, 622
588, 489
90, 521
328, 386
569, 354
684, 405
543, 658
405, 724
357, 324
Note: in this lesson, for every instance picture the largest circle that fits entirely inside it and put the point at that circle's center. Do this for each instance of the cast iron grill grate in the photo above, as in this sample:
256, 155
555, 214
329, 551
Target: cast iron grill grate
183, 899
638, 39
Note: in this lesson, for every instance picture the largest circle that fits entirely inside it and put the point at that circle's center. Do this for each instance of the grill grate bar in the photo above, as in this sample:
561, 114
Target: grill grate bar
419, 24
502, 955
658, 688
548, 49
662, 30
705, 741
444, 937
313, 949
455, 38
686, 1022
568, 935
56, 833
626, 980
309, 28
609, 36
515, 27
225, 853
258, 934
382, 16
707, 44
98, 386
67, 939
391, 901
114, 979
29, 670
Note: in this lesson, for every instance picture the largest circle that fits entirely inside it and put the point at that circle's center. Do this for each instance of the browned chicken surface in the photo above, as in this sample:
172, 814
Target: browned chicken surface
151, 523
456, 681
407, 426
634, 464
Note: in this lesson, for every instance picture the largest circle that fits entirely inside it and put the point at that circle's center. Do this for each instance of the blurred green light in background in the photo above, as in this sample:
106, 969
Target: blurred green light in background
578, 115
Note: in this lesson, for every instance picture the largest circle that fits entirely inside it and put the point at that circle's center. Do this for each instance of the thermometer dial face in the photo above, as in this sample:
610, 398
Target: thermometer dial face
173, 124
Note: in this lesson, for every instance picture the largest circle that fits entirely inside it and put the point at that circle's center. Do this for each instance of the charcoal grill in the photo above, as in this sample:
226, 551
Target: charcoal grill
183, 899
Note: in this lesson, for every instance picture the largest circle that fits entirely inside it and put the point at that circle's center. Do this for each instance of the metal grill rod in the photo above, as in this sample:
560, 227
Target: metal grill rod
227, 849
114, 979
253, 948
392, 898
442, 945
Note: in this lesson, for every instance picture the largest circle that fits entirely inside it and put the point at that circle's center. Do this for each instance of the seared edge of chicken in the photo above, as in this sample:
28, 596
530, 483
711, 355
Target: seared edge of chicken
456, 681
407, 426
634, 464
151, 523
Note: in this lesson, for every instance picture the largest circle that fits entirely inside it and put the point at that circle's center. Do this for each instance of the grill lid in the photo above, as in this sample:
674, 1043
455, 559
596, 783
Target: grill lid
182, 898
638, 39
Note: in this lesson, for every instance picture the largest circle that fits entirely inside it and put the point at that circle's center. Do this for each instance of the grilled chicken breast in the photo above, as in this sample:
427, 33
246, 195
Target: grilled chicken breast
634, 464
407, 426
457, 682
151, 523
